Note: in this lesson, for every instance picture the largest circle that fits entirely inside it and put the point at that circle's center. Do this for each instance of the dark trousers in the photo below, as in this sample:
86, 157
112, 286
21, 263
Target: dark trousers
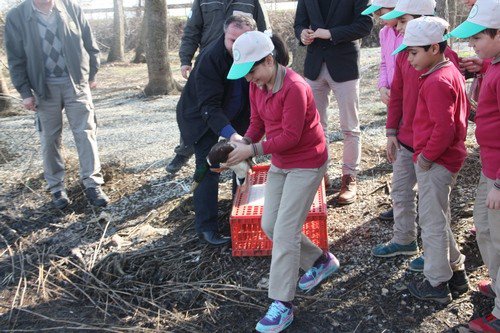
183, 149
205, 196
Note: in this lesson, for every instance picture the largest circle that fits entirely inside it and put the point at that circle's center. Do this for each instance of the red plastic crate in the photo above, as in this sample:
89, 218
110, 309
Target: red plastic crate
247, 237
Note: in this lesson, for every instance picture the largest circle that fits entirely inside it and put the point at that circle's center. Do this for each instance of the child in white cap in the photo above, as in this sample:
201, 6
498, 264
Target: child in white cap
439, 132
482, 27
400, 114
473, 67
283, 110
389, 39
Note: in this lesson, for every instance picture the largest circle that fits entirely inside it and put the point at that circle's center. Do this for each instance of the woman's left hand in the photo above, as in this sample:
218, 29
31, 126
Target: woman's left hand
240, 153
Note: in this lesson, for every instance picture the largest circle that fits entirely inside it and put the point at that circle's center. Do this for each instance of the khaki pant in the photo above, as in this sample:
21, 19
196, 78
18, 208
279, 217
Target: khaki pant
289, 194
347, 96
81, 118
487, 222
404, 197
442, 255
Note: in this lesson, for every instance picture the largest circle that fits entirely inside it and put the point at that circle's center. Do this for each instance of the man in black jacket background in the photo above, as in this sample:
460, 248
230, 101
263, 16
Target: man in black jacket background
331, 31
204, 25
211, 106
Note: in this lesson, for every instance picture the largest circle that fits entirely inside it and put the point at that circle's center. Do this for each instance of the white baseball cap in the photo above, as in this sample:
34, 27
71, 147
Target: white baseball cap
377, 4
412, 7
485, 14
249, 48
425, 30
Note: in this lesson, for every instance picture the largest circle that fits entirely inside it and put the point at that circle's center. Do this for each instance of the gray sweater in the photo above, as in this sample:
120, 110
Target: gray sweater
25, 55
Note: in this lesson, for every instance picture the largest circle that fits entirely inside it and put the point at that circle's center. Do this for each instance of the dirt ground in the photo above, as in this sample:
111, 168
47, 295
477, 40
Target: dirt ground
137, 265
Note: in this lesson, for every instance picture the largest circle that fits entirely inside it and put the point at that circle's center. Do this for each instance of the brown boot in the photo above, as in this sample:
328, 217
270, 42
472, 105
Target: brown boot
347, 190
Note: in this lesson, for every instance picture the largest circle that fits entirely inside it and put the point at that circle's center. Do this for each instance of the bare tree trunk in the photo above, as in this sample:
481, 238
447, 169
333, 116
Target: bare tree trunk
117, 51
452, 7
4, 100
161, 81
4, 91
442, 9
139, 9
139, 49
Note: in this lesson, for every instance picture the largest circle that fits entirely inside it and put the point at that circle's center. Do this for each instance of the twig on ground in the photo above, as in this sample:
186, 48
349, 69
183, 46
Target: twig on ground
357, 326
151, 165
22, 279
5, 96
11, 254
98, 248
79, 326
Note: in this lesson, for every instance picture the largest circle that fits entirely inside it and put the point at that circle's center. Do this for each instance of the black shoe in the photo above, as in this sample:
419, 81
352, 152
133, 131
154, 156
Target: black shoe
177, 163
214, 238
96, 196
387, 216
459, 282
424, 291
60, 199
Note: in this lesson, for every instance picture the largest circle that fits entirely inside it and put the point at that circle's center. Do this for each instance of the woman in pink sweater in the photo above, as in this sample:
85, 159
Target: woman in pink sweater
283, 110
390, 39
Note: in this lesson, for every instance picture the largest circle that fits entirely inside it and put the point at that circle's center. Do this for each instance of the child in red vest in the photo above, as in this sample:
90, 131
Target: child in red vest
439, 131
482, 27
400, 148
283, 110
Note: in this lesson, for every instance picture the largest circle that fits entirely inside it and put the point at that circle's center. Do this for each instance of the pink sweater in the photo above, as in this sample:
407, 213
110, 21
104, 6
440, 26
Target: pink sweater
390, 39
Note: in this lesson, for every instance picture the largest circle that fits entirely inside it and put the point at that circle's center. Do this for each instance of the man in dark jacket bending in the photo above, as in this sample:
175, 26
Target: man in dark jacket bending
211, 106
204, 25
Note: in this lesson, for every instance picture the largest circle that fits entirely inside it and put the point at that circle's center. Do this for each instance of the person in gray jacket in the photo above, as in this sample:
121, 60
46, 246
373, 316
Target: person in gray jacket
204, 25
53, 60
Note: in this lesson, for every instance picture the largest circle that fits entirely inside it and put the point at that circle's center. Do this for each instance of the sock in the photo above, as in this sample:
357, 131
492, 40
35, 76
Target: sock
287, 304
323, 259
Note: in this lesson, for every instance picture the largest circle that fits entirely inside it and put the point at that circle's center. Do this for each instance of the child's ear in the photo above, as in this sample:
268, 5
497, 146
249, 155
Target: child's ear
269, 60
435, 49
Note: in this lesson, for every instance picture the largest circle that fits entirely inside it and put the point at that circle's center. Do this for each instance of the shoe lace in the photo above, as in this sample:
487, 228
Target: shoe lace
274, 311
388, 246
313, 271
348, 181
